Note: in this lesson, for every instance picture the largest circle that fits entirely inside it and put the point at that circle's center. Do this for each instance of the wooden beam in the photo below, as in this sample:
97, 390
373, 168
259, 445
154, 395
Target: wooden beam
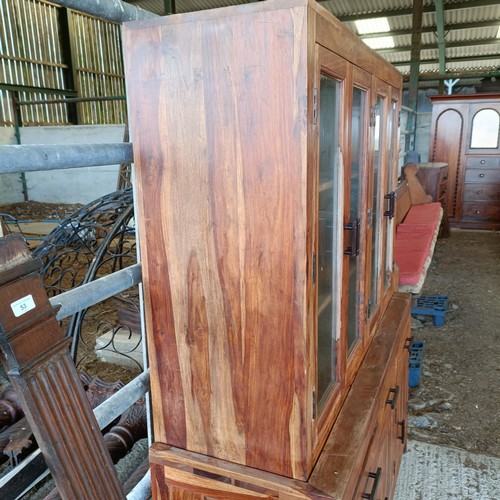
36, 358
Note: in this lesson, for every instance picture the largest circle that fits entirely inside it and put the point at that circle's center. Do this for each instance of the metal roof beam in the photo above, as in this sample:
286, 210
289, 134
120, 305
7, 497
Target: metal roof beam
492, 57
111, 10
408, 11
462, 75
438, 4
450, 45
432, 29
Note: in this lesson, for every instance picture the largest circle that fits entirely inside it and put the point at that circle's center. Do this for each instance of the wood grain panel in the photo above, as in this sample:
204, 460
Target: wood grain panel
220, 149
446, 146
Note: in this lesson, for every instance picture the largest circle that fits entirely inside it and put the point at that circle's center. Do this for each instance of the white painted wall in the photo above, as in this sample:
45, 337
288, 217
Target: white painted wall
11, 188
80, 185
76, 185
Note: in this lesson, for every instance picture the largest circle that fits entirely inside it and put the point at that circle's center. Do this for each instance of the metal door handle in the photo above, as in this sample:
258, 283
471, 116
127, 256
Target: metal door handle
353, 249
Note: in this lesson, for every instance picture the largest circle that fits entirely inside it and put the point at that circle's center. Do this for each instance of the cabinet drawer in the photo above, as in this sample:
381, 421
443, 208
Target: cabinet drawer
480, 211
484, 176
481, 192
483, 161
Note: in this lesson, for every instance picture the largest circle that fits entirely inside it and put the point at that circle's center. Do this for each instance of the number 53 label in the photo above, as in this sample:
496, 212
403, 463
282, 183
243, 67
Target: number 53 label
22, 306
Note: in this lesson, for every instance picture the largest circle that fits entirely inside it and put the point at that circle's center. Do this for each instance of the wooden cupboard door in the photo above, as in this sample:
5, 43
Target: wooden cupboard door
355, 222
449, 126
375, 210
390, 186
330, 90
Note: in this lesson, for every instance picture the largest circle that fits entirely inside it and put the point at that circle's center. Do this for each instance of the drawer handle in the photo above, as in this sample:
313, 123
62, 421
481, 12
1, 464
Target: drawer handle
478, 212
402, 423
482, 162
395, 393
376, 478
480, 191
408, 343
481, 175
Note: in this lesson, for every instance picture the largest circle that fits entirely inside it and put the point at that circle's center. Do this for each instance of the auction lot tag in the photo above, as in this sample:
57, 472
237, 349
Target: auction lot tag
22, 306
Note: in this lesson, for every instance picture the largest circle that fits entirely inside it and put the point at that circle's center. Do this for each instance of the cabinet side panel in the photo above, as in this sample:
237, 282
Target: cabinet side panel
218, 113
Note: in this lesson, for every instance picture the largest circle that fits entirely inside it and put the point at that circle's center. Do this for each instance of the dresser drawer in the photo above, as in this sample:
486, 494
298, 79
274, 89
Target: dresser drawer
482, 161
481, 192
483, 176
480, 211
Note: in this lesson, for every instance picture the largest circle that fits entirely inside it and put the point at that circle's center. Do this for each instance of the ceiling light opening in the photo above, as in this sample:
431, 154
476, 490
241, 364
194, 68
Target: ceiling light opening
384, 42
376, 25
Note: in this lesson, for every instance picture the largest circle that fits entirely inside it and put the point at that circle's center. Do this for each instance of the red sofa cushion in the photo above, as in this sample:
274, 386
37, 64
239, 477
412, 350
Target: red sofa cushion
429, 213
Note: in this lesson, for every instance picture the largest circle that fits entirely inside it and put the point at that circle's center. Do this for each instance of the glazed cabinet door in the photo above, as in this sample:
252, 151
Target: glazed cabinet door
330, 98
355, 223
380, 210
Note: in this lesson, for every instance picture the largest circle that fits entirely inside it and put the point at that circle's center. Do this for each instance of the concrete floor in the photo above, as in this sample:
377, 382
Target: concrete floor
431, 472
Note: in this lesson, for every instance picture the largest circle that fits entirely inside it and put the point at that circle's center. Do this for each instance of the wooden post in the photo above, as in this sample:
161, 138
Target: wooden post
36, 358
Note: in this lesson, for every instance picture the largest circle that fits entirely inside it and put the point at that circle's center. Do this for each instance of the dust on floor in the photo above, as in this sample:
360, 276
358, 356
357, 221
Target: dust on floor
458, 399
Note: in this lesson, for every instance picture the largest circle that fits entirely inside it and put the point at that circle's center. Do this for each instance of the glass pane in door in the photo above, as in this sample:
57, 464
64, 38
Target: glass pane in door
376, 215
357, 156
391, 165
329, 102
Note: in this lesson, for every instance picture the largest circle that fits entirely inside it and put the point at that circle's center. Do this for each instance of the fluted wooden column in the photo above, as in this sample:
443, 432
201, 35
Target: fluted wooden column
35, 355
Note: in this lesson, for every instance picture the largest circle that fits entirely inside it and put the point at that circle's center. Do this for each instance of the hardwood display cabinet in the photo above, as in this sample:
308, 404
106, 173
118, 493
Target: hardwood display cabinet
265, 152
465, 134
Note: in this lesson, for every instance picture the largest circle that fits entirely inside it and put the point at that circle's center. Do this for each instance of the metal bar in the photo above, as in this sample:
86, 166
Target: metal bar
65, 30
142, 489
111, 10
416, 41
107, 411
33, 469
455, 74
489, 57
407, 11
25, 476
440, 32
432, 29
27, 88
73, 99
29, 158
433, 46
81, 297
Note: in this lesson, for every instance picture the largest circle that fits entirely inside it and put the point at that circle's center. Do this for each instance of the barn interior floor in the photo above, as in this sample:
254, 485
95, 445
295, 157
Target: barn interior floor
454, 439
433, 472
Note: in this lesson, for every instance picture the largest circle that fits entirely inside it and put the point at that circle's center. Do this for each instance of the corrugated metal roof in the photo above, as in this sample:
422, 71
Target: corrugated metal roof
466, 22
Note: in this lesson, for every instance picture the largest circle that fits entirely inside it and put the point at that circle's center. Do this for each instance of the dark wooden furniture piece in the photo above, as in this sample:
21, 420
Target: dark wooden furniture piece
265, 153
36, 358
465, 134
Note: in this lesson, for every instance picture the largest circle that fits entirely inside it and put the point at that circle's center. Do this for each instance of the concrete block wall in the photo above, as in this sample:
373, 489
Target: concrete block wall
76, 185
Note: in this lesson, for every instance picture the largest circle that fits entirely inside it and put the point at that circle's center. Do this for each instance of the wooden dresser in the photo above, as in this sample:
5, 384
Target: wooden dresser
265, 147
465, 134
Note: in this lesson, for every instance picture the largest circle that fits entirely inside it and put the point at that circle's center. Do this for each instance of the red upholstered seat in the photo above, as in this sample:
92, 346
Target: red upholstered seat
429, 213
414, 243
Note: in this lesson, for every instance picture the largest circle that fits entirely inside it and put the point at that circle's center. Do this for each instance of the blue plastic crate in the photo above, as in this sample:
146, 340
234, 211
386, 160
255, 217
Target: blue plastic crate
415, 363
432, 305
414, 372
